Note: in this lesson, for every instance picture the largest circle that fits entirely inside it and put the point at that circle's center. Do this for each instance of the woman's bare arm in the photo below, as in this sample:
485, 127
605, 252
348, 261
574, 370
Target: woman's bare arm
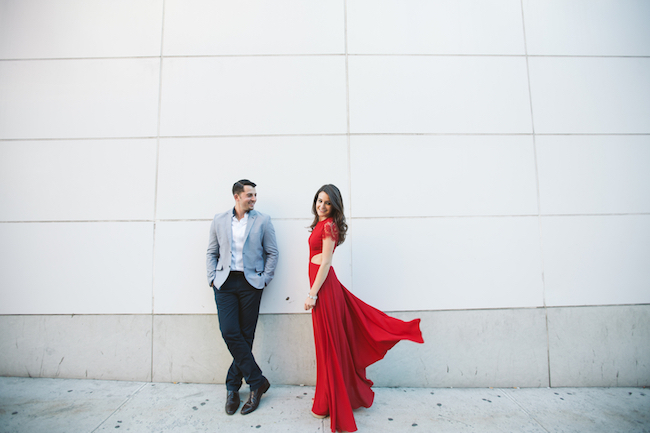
323, 270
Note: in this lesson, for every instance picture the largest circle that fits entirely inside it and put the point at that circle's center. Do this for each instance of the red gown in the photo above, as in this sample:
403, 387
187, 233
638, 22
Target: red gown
349, 336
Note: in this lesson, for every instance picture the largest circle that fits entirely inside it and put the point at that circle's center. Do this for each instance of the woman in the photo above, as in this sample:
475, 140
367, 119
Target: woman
349, 334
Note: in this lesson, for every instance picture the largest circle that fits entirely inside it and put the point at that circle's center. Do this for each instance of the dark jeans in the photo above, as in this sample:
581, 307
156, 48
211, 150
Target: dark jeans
238, 305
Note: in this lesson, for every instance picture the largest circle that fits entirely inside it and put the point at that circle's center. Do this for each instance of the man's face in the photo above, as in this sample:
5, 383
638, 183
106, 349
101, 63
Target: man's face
245, 201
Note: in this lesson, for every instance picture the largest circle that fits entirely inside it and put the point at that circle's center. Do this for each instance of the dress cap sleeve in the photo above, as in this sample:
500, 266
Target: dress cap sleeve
330, 230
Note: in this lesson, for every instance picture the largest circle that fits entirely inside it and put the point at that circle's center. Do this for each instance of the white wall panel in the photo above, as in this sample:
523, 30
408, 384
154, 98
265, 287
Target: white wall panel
594, 174
180, 282
597, 260
447, 263
288, 290
253, 95
107, 346
39, 29
599, 346
189, 348
77, 180
440, 27
181, 285
590, 95
79, 98
588, 27
206, 27
439, 94
196, 175
498, 348
442, 175
75, 268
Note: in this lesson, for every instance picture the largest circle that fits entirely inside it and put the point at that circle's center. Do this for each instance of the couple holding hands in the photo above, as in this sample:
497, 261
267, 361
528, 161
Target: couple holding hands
349, 334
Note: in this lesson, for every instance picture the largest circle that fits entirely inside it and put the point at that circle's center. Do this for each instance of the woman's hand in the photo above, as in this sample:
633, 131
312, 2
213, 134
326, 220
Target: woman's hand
310, 303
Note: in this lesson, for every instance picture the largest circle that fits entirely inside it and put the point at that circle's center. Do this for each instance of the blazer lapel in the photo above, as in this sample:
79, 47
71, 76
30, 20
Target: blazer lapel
227, 226
252, 215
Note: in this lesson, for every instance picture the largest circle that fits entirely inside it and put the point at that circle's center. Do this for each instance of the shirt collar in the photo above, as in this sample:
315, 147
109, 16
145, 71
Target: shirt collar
234, 216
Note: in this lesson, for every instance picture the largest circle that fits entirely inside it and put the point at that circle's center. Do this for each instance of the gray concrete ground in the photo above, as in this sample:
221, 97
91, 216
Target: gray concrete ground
69, 405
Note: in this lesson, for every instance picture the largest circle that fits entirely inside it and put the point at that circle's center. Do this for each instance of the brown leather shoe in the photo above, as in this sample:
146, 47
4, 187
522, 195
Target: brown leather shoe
232, 402
254, 398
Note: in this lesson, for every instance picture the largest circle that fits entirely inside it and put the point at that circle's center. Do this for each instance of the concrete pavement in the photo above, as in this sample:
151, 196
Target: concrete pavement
70, 405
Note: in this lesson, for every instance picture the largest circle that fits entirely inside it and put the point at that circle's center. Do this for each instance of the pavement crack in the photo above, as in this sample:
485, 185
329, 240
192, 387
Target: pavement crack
455, 420
128, 399
514, 400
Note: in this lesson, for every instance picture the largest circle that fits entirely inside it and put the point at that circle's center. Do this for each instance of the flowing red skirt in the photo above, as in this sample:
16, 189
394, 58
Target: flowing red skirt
349, 336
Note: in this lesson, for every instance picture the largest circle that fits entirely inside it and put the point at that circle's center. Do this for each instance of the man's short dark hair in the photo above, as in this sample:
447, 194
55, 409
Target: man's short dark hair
238, 187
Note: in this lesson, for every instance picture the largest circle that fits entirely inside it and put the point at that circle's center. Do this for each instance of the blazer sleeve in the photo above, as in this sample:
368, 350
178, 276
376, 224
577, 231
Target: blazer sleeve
212, 255
271, 250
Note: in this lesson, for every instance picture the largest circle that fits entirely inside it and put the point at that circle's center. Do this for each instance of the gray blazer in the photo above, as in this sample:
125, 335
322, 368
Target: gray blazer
260, 249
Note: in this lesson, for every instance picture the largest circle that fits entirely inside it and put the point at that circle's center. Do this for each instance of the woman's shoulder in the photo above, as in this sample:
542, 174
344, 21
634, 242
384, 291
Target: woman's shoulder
323, 224
328, 223
330, 227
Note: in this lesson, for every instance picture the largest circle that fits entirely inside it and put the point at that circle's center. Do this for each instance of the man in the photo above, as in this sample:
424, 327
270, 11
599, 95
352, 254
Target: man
241, 259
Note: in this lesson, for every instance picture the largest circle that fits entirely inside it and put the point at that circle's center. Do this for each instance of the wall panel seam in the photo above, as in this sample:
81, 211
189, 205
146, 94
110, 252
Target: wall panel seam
468, 310
217, 56
155, 206
539, 202
351, 134
400, 217
348, 144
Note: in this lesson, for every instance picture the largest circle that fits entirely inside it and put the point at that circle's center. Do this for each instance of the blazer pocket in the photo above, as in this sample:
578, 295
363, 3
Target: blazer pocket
220, 267
259, 268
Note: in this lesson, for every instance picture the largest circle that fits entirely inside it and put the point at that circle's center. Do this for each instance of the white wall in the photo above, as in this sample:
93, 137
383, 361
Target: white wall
492, 156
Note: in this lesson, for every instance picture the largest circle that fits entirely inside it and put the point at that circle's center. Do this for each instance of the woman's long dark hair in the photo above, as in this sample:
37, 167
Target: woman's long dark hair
337, 210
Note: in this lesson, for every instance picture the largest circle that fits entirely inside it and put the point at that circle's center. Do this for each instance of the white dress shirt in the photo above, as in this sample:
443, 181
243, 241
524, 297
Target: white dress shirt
237, 245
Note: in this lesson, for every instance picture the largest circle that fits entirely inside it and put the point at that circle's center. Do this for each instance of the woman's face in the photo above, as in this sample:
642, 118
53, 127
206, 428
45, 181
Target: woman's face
323, 206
